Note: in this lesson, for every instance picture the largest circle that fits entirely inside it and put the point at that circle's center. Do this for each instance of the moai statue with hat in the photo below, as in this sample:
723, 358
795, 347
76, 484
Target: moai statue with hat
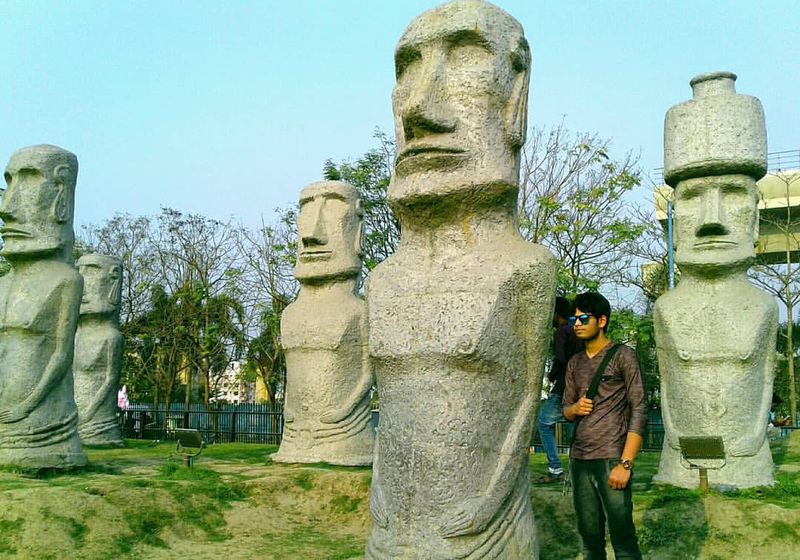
715, 332
459, 315
323, 333
98, 350
39, 304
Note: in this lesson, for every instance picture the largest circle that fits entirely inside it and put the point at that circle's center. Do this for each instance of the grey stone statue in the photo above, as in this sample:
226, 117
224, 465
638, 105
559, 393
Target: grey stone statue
715, 332
323, 333
39, 304
459, 315
98, 350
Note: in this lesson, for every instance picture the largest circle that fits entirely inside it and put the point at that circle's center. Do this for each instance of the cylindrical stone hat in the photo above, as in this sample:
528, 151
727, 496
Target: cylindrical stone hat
717, 132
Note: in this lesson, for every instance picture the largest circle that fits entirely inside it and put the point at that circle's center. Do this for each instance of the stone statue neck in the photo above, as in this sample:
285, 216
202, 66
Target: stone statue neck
340, 288
460, 229
690, 278
96, 320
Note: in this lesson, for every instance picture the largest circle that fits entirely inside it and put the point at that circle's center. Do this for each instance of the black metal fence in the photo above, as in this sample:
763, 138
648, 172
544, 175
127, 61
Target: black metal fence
262, 423
248, 423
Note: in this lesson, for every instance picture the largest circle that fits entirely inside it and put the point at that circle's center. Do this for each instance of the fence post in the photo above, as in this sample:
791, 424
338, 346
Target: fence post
233, 426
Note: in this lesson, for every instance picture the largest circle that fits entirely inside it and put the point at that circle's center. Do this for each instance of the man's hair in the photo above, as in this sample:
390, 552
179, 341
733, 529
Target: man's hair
563, 307
594, 303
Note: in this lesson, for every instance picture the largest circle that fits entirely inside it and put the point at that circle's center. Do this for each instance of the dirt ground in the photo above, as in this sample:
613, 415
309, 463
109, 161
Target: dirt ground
238, 505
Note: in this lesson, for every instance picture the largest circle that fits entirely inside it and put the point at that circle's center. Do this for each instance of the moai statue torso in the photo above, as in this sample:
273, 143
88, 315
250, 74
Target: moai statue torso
98, 351
39, 302
459, 315
323, 333
715, 332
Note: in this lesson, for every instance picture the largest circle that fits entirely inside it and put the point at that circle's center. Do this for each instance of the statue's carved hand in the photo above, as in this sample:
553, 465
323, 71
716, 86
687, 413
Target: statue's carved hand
13, 414
471, 517
745, 446
377, 508
288, 416
332, 416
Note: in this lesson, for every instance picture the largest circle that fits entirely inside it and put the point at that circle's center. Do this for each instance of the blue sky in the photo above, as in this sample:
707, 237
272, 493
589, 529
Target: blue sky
230, 108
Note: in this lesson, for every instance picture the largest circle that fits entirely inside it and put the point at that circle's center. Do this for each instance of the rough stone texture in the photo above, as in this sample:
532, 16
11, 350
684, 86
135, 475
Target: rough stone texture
459, 315
715, 332
715, 133
98, 350
39, 303
328, 376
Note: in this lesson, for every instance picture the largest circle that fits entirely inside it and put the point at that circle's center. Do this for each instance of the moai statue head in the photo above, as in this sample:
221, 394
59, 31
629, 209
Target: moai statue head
329, 230
715, 149
102, 283
460, 105
37, 205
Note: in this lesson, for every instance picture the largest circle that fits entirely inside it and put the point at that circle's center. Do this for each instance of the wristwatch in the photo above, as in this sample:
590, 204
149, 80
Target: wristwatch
627, 464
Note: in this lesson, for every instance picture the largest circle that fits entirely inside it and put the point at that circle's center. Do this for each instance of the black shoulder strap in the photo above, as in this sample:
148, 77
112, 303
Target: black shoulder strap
590, 394
592, 391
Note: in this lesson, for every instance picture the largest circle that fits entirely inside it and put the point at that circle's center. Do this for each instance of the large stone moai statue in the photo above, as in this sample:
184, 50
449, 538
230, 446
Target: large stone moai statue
98, 350
715, 332
323, 333
39, 303
459, 315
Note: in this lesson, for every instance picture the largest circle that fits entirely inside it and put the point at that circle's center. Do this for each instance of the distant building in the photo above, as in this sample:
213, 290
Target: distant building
232, 389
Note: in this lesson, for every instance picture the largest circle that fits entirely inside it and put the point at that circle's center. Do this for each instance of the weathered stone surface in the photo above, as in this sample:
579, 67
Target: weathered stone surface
39, 303
98, 350
459, 315
715, 332
328, 376
715, 133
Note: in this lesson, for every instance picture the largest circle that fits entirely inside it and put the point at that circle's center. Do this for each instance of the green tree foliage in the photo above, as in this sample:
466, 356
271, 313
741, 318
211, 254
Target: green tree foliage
572, 201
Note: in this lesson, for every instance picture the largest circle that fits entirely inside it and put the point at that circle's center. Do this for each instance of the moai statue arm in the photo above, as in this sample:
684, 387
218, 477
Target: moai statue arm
61, 358
670, 430
475, 513
749, 444
113, 359
360, 389
377, 505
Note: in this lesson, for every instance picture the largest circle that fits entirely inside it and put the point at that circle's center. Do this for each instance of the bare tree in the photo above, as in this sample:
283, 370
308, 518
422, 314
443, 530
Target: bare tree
782, 278
572, 201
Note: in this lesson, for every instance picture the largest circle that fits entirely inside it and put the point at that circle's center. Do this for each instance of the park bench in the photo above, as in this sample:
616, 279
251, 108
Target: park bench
189, 444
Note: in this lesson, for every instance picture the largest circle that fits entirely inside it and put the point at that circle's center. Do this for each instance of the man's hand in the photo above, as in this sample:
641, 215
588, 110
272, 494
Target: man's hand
583, 407
619, 477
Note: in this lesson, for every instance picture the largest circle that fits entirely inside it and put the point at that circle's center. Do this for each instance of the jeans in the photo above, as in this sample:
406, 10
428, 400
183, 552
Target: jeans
596, 503
549, 416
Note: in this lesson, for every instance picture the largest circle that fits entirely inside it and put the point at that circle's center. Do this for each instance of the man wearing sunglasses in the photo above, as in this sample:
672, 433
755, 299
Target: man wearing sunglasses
608, 432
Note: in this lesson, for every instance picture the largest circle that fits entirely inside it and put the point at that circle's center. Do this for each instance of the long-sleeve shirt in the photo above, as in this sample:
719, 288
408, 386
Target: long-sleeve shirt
619, 406
565, 345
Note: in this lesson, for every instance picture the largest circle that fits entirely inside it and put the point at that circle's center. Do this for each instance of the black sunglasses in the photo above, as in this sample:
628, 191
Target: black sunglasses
583, 318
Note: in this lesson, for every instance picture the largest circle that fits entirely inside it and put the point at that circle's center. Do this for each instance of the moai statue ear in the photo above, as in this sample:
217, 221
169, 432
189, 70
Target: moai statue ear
61, 210
516, 117
115, 291
359, 241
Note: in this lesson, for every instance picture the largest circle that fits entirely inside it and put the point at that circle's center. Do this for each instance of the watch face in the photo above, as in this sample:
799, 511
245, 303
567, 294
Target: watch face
626, 464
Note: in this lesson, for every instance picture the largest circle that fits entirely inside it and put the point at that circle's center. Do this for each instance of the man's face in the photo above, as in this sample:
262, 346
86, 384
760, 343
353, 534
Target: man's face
329, 232
716, 221
460, 93
589, 329
30, 207
101, 279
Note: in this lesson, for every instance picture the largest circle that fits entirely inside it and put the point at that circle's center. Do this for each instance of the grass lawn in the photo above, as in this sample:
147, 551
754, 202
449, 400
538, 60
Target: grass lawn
140, 502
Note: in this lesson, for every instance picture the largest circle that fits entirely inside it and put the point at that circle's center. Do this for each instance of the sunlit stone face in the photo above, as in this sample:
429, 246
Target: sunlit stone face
37, 204
716, 221
102, 276
460, 102
329, 232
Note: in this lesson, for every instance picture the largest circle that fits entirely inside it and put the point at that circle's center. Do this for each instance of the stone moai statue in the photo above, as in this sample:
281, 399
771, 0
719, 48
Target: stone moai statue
715, 332
323, 333
39, 304
98, 350
459, 316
